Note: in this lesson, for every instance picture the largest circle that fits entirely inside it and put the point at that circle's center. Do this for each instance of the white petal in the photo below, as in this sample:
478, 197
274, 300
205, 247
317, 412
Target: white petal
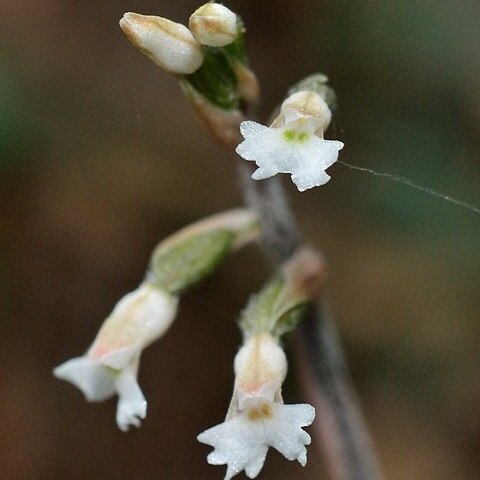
132, 405
238, 444
249, 128
260, 142
242, 442
95, 381
307, 181
264, 172
317, 155
285, 433
254, 467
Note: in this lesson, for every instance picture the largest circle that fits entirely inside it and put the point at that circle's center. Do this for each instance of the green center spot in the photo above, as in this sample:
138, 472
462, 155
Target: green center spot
293, 136
302, 137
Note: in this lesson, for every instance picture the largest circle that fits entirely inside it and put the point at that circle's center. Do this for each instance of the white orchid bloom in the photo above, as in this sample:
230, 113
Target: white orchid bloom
294, 143
110, 365
257, 418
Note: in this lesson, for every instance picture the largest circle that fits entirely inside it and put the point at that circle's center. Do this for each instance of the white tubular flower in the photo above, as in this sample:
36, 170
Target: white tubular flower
294, 143
170, 45
110, 365
257, 418
214, 25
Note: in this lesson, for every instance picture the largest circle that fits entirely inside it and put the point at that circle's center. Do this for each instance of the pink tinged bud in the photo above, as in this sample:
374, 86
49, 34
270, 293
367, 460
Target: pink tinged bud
170, 45
214, 25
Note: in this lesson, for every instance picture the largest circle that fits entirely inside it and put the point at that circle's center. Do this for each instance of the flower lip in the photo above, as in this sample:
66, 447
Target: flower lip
242, 442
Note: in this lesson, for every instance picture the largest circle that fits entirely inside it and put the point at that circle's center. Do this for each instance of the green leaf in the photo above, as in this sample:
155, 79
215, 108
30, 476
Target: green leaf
175, 267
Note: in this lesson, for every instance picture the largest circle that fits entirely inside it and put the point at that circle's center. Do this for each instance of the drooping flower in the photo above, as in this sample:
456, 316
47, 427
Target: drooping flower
294, 142
111, 363
257, 418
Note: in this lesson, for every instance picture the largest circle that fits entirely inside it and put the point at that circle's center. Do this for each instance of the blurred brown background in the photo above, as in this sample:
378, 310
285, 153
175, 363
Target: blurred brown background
100, 158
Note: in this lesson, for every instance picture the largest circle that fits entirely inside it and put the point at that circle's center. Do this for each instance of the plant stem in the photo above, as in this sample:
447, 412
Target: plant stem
345, 440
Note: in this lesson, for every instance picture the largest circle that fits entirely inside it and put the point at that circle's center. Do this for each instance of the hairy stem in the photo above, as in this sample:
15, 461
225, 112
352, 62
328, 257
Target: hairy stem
341, 429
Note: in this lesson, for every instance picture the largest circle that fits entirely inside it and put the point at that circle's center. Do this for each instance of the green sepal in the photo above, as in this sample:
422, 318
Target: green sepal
289, 320
273, 310
318, 82
175, 267
236, 51
215, 80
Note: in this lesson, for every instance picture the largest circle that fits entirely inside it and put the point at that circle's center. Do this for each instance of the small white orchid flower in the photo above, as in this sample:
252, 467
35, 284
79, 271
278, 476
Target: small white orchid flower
111, 363
257, 418
294, 143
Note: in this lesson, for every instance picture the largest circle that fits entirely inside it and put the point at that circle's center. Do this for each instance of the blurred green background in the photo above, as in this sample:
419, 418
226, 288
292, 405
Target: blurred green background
100, 158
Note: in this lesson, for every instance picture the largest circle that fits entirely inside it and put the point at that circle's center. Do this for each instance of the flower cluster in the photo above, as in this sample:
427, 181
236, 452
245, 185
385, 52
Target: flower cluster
208, 58
294, 143
257, 418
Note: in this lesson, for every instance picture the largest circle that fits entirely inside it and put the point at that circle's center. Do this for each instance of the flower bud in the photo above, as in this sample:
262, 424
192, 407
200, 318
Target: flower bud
214, 25
170, 45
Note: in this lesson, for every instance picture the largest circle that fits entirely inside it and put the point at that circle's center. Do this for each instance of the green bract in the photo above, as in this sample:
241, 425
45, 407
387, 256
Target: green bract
175, 267
276, 309
216, 79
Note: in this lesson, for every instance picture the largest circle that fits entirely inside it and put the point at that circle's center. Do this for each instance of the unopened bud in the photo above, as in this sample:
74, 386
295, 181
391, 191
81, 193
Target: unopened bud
170, 45
307, 105
214, 25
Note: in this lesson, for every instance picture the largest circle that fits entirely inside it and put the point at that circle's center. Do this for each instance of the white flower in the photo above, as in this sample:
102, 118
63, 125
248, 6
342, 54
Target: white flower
257, 418
170, 45
111, 363
294, 143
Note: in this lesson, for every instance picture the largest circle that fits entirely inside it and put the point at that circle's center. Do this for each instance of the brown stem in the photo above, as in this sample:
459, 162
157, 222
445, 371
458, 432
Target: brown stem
340, 425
